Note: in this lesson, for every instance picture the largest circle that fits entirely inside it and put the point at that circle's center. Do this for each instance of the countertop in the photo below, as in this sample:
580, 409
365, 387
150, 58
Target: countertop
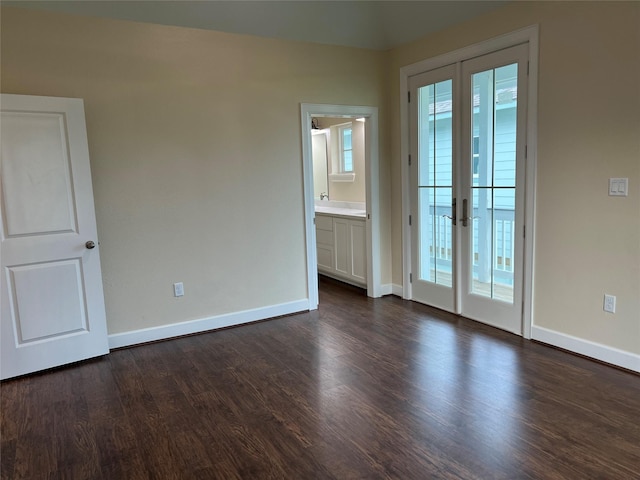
341, 212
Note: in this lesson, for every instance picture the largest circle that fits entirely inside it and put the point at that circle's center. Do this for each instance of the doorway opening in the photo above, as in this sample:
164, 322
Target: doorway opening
346, 247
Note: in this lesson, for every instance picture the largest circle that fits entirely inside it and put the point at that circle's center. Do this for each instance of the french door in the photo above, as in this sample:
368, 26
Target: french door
467, 133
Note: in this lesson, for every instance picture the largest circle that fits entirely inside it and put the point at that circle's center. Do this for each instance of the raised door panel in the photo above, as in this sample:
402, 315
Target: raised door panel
324, 237
325, 258
324, 222
341, 245
60, 309
37, 193
358, 250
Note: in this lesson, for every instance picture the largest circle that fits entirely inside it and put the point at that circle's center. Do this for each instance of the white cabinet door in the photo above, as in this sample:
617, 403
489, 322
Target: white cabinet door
52, 310
350, 250
341, 243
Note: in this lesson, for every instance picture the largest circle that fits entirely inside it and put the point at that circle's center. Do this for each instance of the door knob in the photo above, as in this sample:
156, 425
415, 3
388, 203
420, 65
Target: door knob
90, 244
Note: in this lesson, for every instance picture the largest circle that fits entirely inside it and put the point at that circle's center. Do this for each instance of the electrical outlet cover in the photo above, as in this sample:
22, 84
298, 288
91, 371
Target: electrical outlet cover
609, 304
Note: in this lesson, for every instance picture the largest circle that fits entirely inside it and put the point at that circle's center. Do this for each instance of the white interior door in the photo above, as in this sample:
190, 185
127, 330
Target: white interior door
52, 310
467, 203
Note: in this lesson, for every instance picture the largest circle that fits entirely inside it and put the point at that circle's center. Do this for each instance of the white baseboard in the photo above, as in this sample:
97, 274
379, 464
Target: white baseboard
397, 290
620, 358
391, 289
164, 332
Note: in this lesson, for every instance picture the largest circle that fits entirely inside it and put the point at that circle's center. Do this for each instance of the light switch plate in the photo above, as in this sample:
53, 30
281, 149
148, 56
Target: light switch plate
618, 187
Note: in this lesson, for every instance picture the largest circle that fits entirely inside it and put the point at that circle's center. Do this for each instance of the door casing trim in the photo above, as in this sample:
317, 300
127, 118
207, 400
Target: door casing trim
307, 111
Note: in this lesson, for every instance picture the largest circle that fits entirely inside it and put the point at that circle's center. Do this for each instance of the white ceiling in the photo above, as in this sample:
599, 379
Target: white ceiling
378, 25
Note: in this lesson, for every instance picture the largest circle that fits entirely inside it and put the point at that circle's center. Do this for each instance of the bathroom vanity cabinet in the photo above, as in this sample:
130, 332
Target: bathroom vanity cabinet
341, 247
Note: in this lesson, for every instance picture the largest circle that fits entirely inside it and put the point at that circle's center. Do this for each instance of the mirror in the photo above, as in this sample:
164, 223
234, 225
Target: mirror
319, 146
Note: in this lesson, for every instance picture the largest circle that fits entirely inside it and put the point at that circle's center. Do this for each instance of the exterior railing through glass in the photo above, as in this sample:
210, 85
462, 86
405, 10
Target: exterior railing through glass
503, 241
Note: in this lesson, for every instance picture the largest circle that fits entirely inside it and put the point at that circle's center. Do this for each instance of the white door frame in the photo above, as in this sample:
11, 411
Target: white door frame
526, 35
307, 112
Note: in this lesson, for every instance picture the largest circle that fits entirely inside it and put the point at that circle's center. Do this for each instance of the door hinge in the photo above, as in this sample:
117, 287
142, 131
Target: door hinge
524, 231
526, 151
409, 97
528, 67
314, 220
522, 312
409, 159
411, 278
409, 220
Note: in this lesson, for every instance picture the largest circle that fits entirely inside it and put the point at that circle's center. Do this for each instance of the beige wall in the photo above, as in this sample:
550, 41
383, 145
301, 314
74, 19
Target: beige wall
182, 192
588, 130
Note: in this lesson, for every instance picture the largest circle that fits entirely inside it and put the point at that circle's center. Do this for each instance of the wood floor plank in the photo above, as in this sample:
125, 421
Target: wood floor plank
7, 458
359, 389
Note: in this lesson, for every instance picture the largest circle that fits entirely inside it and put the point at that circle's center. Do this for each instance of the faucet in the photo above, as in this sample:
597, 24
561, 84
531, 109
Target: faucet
324, 196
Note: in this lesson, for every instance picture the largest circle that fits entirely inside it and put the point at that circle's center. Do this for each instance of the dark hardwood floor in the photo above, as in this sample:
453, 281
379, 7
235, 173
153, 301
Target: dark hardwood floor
360, 389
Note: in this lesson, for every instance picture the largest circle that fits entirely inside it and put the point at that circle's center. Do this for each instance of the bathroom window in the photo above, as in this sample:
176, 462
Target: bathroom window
346, 149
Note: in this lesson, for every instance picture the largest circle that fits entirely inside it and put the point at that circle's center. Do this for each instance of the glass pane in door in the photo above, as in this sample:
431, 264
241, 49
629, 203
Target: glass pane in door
435, 182
436, 251
493, 165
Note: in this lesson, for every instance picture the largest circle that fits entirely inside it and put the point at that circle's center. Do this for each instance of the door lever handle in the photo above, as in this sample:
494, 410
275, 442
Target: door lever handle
453, 218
